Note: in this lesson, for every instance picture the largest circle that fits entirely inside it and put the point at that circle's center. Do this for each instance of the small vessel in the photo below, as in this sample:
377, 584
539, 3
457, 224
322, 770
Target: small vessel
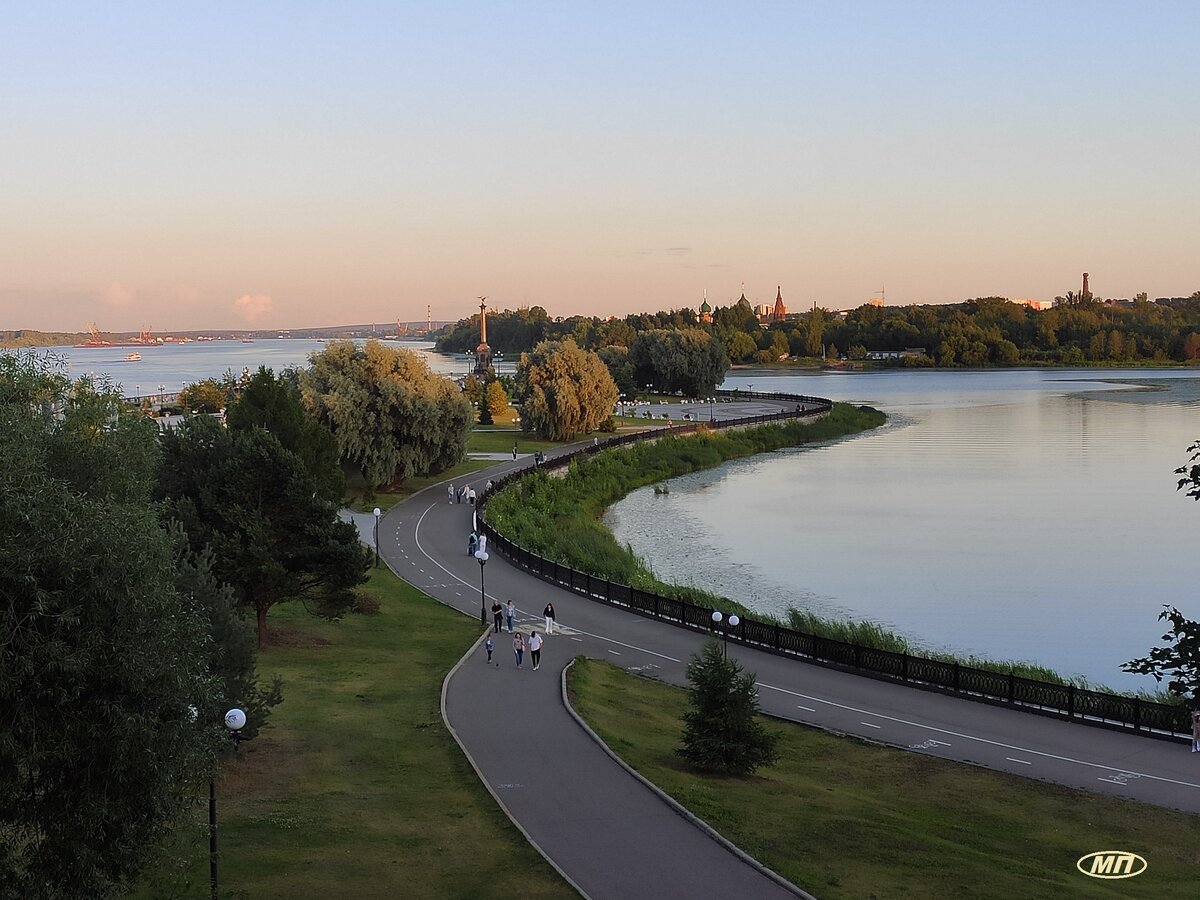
133, 357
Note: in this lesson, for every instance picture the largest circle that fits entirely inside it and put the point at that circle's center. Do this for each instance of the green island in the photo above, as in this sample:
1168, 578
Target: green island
845, 818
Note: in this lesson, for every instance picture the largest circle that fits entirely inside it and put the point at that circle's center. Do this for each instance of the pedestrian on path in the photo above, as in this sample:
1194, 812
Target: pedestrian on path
450, 493
489, 647
535, 649
462, 490
497, 616
472, 543
519, 648
1196, 731
514, 451
471, 496
510, 611
548, 612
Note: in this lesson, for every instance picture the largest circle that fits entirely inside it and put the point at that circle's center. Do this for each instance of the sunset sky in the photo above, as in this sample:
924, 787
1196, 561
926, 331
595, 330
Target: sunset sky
225, 165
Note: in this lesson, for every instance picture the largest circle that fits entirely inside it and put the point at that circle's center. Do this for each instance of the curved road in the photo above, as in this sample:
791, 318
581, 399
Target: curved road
612, 836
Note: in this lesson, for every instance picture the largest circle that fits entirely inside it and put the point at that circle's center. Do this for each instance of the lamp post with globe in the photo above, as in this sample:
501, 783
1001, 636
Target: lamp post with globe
235, 721
732, 622
481, 556
378, 513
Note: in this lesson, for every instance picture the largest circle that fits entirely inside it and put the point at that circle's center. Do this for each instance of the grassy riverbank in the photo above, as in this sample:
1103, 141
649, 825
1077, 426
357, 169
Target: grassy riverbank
558, 518
356, 789
843, 818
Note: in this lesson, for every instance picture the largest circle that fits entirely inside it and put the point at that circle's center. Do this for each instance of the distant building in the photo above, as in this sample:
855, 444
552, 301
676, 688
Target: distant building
895, 354
706, 310
779, 313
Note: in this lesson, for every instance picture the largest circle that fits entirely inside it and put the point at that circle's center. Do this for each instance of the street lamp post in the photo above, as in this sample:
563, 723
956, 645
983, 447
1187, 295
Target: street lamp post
378, 513
710, 409
732, 622
235, 721
482, 557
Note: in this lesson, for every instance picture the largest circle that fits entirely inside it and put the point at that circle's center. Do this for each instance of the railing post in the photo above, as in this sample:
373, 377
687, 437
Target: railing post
776, 635
904, 666
1137, 713
1070, 701
957, 679
657, 613
1012, 686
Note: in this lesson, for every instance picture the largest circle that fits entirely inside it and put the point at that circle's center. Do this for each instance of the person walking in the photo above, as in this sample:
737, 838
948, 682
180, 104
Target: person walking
497, 616
471, 496
514, 451
548, 612
489, 647
519, 648
472, 543
450, 493
1196, 731
535, 649
510, 612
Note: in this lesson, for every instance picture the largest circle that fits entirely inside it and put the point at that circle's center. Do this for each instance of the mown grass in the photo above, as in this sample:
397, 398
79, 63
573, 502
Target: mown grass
843, 818
356, 789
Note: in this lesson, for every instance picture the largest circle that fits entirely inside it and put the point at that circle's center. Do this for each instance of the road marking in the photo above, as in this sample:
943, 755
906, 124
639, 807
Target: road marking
601, 637
869, 725
928, 745
970, 737
580, 640
1023, 762
614, 652
809, 708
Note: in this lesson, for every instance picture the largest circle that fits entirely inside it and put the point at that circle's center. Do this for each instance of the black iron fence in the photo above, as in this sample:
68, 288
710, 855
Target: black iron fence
1045, 697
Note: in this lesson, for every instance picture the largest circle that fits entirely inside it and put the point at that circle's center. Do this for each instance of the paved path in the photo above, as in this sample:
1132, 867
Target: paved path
586, 813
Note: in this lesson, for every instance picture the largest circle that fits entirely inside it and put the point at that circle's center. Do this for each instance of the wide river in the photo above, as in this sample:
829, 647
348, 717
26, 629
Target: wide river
1023, 514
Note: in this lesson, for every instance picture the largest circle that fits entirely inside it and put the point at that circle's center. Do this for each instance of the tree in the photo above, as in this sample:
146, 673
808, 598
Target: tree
689, 360
617, 360
721, 731
254, 504
274, 404
206, 396
1179, 661
100, 654
495, 399
392, 418
563, 391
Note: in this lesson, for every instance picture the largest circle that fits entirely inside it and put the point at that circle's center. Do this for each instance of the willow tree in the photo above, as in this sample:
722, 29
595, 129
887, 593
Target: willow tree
680, 359
392, 417
564, 391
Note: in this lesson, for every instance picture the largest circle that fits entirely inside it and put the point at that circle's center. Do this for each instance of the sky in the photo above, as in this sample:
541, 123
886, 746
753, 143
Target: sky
275, 165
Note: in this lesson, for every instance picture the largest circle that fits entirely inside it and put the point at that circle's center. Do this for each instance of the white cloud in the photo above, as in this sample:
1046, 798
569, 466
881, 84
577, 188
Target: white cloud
253, 307
118, 295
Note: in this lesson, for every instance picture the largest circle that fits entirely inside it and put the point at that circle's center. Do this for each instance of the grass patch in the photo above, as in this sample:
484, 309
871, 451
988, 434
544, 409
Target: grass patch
493, 439
843, 818
356, 789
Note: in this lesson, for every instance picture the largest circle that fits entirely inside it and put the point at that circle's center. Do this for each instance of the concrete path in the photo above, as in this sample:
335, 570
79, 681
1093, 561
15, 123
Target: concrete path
609, 834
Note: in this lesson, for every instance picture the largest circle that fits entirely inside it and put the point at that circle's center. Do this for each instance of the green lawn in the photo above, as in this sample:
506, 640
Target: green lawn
843, 818
356, 789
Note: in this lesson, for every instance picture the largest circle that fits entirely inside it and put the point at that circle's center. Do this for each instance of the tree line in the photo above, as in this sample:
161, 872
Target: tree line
987, 331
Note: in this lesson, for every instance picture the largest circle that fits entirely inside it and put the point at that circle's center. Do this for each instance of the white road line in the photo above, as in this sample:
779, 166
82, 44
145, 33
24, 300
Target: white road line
580, 640
869, 725
809, 708
601, 637
1023, 762
971, 737
615, 652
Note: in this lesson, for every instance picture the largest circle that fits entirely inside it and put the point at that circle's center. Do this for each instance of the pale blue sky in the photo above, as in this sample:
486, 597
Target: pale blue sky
327, 163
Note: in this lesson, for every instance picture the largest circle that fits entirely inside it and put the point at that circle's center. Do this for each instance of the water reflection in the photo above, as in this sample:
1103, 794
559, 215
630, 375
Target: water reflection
1017, 515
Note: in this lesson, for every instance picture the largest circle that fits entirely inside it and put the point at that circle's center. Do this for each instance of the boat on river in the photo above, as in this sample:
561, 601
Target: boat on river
133, 357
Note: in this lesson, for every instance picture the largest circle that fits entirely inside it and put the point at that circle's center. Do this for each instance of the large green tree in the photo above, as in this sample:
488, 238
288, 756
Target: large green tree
100, 654
679, 359
391, 416
563, 391
272, 403
273, 538
721, 729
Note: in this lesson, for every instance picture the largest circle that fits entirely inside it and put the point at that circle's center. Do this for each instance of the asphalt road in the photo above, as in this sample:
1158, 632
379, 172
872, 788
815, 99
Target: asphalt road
612, 836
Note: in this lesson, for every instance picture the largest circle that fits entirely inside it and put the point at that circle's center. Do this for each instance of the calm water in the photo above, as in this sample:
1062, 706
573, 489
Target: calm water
175, 365
1017, 515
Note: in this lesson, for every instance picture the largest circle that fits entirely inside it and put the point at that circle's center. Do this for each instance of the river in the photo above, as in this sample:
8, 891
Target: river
1028, 514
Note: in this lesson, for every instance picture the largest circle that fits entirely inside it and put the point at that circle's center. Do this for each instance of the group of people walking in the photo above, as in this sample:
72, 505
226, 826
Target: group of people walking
506, 614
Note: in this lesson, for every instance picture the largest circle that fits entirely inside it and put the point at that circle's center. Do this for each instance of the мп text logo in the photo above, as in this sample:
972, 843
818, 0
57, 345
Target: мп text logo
1111, 864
